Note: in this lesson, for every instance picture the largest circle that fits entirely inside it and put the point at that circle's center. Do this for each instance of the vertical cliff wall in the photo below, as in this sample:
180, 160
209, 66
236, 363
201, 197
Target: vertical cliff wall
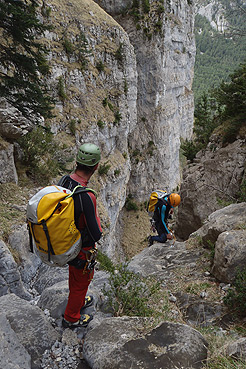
121, 77
94, 62
163, 40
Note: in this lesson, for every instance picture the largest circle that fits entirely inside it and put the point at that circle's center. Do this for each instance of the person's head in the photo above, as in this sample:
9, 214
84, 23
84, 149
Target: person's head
88, 157
174, 199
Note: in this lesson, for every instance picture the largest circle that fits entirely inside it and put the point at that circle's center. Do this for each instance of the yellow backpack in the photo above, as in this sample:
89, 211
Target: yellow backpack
153, 199
54, 236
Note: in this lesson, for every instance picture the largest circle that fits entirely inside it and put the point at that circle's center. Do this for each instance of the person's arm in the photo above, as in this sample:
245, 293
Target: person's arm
163, 211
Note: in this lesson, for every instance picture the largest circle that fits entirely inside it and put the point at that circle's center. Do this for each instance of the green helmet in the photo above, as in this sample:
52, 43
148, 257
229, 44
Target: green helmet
88, 154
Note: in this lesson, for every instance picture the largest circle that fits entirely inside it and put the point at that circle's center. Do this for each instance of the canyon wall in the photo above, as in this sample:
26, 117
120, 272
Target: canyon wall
121, 77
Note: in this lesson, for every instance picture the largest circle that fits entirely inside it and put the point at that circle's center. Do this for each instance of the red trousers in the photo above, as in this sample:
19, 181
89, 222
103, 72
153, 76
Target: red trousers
78, 286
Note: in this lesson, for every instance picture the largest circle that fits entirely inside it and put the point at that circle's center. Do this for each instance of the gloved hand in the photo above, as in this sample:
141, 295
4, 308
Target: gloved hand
169, 236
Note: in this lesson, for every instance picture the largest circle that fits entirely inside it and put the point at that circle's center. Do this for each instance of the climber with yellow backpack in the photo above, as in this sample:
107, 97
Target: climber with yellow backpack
64, 226
161, 205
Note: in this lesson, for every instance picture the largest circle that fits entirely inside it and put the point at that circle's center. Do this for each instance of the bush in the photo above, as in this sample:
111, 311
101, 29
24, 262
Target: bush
190, 149
100, 123
104, 168
236, 297
117, 117
100, 66
130, 204
39, 150
129, 294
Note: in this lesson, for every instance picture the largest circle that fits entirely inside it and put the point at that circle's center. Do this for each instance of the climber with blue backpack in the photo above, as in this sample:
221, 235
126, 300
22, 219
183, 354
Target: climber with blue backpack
162, 204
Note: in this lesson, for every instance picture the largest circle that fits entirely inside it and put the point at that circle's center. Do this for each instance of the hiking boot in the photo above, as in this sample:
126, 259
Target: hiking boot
88, 302
150, 241
82, 323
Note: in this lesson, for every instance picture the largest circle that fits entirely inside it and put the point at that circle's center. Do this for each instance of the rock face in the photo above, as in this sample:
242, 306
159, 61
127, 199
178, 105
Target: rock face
225, 228
217, 175
215, 13
164, 47
30, 326
7, 164
13, 124
230, 255
10, 278
168, 346
124, 86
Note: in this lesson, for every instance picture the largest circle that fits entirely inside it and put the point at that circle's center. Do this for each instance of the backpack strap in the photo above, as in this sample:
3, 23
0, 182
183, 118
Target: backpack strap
63, 180
80, 189
30, 237
50, 248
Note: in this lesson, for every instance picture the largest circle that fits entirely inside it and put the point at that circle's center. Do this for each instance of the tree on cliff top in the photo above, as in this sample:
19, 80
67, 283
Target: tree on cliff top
224, 106
232, 99
22, 58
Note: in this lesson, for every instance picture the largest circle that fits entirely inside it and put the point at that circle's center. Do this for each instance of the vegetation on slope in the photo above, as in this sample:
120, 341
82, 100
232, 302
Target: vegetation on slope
224, 106
22, 58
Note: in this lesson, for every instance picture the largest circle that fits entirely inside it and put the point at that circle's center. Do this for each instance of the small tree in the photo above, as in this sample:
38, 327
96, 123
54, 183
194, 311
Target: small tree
232, 99
22, 58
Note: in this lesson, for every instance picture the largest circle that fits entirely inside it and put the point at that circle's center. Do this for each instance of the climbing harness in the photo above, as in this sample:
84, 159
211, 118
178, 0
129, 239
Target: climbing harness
90, 259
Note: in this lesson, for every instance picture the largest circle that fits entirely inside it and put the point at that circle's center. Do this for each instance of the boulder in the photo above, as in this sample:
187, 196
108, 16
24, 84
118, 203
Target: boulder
10, 278
160, 260
13, 123
29, 262
237, 349
54, 299
30, 325
121, 343
217, 175
226, 219
13, 354
230, 255
7, 166
199, 312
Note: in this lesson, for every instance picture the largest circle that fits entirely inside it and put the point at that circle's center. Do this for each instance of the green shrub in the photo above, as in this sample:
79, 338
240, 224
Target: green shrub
190, 149
129, 294
146, 6
130, 204
103, 168
125, 87
46, 11
236, 296
39, 154
100, 66
151, 143
117, 117
117, 172
119, 53
100, 123
72, 126
211, 247
61, 89
68, 46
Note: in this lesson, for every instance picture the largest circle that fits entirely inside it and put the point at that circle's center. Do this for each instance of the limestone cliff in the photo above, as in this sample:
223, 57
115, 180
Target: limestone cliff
125, 84
163, 40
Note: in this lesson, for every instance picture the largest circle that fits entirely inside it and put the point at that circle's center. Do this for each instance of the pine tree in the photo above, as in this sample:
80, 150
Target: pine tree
22, 58
232, 99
